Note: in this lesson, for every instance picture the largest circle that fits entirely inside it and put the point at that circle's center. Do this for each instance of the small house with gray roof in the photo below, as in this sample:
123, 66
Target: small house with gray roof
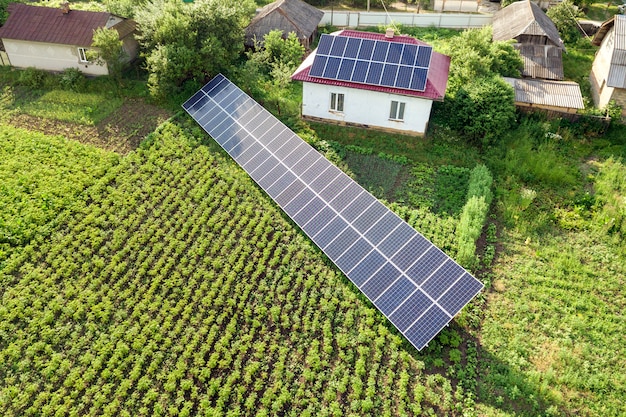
537, 39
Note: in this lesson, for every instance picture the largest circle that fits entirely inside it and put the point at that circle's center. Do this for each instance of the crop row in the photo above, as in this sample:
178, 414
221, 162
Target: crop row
177, 288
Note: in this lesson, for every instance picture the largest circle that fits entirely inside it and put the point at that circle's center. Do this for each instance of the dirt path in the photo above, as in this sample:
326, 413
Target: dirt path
120, 132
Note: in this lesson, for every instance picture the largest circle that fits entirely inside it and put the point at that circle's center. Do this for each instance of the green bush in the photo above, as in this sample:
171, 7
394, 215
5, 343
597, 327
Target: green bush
610, 186
32, 78
474, 214
71, 79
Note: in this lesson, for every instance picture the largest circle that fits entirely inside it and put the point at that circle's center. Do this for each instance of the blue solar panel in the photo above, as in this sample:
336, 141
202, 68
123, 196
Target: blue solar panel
413, 283
375, 62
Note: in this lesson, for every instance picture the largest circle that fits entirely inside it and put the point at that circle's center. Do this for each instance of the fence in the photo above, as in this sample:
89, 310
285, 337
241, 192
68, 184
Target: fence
4, 58
441, 20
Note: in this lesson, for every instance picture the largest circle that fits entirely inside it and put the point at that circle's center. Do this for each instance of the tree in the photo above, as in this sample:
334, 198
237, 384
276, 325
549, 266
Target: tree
478, 103
109, 50
3, 11
564, 16
190, 41
483, 109
474, 55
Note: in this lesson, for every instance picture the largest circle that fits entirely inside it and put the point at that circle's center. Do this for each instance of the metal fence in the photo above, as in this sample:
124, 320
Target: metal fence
441, 20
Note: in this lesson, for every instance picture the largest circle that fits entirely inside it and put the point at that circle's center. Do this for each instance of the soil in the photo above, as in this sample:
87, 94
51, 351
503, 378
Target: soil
120, 132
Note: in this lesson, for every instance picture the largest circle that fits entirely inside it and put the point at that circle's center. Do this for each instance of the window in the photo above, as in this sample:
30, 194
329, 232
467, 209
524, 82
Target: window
82, 55
336, 102
397, 110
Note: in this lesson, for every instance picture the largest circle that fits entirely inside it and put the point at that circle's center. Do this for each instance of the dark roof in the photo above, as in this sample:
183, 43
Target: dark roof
604, 29
51, 25
286, 15
524, 18
541, 61
436, 82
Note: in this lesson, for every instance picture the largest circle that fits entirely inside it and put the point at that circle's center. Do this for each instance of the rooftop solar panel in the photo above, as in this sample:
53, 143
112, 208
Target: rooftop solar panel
413, 283
376, 62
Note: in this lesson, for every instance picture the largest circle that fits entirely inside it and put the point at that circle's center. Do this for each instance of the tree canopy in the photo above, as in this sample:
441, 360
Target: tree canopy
478, 102
190, 41
109, 50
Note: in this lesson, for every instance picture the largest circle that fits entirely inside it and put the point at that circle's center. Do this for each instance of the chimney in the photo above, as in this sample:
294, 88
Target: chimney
65, 8
389, 33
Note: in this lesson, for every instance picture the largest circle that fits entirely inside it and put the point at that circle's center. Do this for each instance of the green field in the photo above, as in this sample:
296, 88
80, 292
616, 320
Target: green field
39, 177
179, 289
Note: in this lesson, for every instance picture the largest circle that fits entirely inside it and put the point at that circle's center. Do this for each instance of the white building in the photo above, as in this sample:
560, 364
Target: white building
373, 80
54, 39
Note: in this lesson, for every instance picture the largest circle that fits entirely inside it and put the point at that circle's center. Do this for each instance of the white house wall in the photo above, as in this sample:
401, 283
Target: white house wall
48, 56
600, 71
366, 107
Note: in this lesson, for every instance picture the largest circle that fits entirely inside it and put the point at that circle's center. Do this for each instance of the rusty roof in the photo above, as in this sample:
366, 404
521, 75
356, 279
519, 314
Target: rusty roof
51, 25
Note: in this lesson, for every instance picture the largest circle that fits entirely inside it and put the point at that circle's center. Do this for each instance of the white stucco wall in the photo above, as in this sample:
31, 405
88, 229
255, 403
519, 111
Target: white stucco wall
600, 71
365, 107
48, 56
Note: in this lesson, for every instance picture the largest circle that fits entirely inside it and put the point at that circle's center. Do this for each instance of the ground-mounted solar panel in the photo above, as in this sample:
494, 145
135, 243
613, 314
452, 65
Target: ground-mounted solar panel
375, 62
413, 283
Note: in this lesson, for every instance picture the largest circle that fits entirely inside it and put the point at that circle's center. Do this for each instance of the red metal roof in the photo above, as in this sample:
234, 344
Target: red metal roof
437, 73
51, 25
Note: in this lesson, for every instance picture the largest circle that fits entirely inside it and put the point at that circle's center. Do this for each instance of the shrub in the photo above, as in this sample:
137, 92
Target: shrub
474, 214
610, 213
32, 78
71, 79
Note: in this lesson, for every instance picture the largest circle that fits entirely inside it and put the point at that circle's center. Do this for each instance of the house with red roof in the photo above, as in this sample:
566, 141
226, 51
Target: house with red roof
54, 39
383, 81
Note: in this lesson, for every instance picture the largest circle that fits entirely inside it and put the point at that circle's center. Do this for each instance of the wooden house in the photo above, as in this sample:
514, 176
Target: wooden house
536, 37
286, 15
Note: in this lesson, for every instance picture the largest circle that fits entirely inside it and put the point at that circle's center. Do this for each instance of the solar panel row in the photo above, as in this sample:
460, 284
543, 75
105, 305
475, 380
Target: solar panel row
413, 283
375, 62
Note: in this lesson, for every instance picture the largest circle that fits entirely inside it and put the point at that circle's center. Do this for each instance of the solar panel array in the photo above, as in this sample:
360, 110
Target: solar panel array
374, 62
413, 283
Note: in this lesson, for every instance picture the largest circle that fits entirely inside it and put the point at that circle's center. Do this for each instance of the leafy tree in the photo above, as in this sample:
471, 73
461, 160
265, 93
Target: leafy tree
473, 55
109, 50
3, 11
275, 50
483, 109
564, 16
478, 102
124, 8
190, 41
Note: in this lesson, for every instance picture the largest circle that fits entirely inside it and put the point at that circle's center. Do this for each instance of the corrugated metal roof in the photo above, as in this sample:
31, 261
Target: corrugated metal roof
524, 18
565, 94
617, 68
51, 25
286, 15
435, 84
541, 61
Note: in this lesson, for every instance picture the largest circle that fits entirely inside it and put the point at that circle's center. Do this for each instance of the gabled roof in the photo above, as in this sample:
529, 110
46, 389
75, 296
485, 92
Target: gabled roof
565, 94
541, 61
436, 82
51, 25
524, 18
617, 65
604, 29
286, 15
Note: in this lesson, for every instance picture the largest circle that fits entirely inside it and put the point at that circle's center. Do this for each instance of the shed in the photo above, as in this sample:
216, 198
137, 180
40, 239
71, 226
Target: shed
536, 36
288, 16
387, 82
558, 96
54, 39
608, 72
